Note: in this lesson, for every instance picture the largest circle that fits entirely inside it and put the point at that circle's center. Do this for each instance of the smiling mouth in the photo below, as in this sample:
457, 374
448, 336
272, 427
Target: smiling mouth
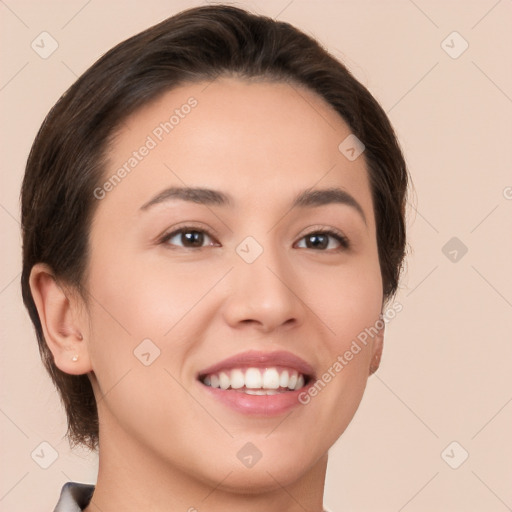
271, 380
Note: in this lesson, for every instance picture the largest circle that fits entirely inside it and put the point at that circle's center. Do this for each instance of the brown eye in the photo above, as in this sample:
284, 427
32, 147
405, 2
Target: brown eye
192, 238
322, 240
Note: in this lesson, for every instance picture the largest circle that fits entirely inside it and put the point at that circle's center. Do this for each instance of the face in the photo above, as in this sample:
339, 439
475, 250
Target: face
215, 314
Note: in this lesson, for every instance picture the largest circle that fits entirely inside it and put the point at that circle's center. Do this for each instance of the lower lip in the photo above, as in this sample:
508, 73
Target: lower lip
258, 405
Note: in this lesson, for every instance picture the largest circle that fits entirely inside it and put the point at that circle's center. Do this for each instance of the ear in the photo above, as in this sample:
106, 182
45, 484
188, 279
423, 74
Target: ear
59, 313
378, 343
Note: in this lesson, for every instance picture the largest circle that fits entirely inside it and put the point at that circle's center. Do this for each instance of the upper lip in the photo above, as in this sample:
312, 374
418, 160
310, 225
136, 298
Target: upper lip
258, 359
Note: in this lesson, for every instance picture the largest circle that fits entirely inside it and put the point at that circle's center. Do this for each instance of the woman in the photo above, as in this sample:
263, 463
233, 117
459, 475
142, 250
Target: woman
213, 225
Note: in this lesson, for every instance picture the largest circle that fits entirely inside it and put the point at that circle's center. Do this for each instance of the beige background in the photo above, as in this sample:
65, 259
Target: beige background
446, 371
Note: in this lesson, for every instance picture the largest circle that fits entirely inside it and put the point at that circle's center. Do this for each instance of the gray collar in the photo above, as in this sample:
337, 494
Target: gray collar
74, 497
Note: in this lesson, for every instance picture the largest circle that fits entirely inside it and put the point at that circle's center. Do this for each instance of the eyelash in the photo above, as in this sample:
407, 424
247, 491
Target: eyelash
341, 239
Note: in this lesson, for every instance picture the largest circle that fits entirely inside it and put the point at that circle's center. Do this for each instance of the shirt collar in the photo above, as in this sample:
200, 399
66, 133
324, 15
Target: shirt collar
74, 497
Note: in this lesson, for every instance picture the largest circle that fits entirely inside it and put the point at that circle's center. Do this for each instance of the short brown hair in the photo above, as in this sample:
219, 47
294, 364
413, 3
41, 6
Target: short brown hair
67, 158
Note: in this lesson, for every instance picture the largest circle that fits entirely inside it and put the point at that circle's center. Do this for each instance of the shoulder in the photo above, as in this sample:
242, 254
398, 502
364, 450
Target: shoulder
74, 497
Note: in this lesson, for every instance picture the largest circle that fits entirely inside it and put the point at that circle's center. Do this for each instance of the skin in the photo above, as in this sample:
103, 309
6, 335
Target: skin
165, 444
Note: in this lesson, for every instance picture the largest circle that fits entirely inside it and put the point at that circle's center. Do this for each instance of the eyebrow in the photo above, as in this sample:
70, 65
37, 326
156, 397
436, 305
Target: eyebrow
309, 198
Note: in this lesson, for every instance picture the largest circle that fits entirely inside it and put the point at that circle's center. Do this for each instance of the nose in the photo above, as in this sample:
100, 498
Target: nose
262, 295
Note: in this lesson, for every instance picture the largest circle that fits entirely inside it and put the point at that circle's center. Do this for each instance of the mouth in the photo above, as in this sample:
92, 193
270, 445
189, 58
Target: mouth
258, 383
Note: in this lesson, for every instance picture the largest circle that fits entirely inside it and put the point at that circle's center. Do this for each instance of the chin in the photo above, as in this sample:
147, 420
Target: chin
253, 470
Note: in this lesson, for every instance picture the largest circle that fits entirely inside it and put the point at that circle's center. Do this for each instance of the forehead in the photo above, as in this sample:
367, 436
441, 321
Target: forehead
257, 138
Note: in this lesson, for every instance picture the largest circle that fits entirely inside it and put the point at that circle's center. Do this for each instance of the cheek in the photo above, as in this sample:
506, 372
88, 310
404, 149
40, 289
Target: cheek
147, 297
347, 301
350, 308
153, 307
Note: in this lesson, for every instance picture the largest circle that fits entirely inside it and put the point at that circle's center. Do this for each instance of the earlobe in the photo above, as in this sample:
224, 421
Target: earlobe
378, 345
59, 320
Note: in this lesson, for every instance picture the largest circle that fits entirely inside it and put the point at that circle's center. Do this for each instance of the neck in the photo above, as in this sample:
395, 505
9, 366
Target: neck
132, 477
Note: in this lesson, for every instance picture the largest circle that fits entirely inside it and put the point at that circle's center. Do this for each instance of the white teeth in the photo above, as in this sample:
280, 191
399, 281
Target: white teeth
253, 378
292, 380
257, 381
237, 379
224, 380
261, 392
215, 383
271, 378
255, 392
